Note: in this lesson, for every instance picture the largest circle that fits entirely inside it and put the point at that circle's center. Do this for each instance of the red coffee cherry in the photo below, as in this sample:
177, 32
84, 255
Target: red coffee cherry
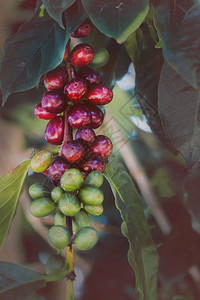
83, 30
58, 167
79, 116
82, 55
94, 163
85, 134
73, 151
54, 131
75, 90
42, 113
54, 102
102, 146
99, 95
66, 53
89, 75
55, 79
97, 116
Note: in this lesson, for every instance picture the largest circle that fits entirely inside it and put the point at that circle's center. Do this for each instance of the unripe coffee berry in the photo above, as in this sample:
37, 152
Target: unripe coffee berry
42, 113
54, 102
41, 161
95, 178
91, 195
72, 180
102, 146
75, 90
42, 207
55, 79
54, 131
60, 219
58, 167
99, 95
80, 220
59, 236
86, 238
69, 204
55, 264
56, 194
79, 116
94, 210
81, 55
83, 30
37, 191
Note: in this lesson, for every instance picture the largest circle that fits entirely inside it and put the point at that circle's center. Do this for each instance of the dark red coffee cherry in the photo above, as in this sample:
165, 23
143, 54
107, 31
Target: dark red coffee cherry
83, 30
42, 113
54, 131
54, 102
82, 55
89, 75
55, 79
94, 163
99, 95
58, 167
102, 146
73, 151
79, 116
97, 116
75, 90
85, 134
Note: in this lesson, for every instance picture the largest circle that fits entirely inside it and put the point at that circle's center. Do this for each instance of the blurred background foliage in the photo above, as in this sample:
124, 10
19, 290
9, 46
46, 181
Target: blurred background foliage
104, 271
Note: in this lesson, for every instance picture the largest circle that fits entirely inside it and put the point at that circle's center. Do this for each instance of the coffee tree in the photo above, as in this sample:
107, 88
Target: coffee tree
78, 50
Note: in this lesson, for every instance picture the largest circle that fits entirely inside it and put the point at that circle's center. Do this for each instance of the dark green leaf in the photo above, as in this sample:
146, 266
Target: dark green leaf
133, 45
36, 48
10, 188
178, 108
56, 8
17, 282
142, 254
117, 18
178, 27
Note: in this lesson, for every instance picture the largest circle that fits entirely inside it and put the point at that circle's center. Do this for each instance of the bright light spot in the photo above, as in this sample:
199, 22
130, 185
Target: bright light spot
127, 82
141, 124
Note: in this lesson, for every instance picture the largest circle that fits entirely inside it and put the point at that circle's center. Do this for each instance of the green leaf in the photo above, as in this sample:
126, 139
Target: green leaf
56, 8
18, 282
178, 106
10, 189
133, 45
178, 28
35, 49
117, 18
142, 254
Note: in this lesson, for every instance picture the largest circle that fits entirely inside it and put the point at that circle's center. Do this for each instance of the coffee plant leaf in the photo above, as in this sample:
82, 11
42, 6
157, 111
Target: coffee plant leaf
35, 49
142, 254
178, 107
117, 18
10, 189
56, 8
18, 282
178, 28
133, 45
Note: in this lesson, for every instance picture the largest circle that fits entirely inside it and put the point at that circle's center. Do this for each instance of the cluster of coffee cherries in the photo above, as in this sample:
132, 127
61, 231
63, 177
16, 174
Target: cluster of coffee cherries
74, 94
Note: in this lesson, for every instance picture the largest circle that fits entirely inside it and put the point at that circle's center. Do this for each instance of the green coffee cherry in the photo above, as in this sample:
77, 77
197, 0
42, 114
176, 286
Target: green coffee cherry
95, 178
69, 204
80, 220
41, 161
86, 238
59, 236
91, 195
56, 194
95, 210
55, 264
42, 207
37, 191
60, 219
72, 180
101, 57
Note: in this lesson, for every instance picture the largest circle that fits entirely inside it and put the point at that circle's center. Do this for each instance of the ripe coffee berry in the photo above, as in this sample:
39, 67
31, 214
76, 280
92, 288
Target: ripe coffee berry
79, 116
54, 131
85, 134
91, 76
94, 163
97, 116
66, 53
82, 55
55, 79
58, 167
54, 102
83, 30
42, 113
75, 90
99, 95
72, 151
102, 146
